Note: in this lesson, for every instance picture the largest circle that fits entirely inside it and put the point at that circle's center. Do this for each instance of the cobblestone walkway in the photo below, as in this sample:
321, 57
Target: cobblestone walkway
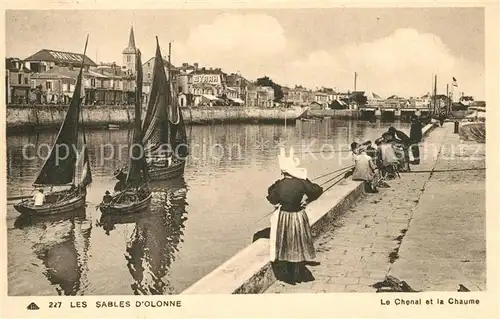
361, 246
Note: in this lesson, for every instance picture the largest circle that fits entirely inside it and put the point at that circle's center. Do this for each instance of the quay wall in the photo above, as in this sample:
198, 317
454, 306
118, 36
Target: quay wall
40, 117
250, 271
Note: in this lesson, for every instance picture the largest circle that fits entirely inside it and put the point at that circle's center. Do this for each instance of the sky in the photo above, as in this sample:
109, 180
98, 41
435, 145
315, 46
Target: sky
393, 50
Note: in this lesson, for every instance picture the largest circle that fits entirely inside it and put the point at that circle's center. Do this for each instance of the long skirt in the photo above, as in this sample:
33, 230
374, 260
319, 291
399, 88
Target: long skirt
291, 238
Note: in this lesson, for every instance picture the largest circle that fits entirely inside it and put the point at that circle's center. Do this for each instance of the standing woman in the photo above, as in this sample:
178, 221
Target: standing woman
291, 239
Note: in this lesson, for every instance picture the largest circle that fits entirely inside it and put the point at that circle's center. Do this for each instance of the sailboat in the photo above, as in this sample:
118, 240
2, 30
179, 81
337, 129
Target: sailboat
60, 168
135, 194
165, 137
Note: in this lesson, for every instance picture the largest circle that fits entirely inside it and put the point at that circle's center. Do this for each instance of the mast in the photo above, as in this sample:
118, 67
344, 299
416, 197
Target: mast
59, 168
447, 99
137, 161
355, 79
435, 93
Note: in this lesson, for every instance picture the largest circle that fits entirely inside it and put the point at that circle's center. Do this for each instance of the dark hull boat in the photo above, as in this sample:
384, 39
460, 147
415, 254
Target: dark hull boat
173, 171
26, 220
63, 168
69, 203
126, 208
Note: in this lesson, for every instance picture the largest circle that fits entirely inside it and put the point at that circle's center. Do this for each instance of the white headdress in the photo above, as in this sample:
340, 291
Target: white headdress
290, 164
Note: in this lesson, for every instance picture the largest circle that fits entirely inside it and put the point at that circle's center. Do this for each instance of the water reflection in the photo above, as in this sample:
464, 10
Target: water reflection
62, 247
223, 209
153, 244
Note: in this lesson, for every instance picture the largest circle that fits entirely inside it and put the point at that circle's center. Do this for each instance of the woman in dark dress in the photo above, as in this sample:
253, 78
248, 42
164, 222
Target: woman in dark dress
291, 238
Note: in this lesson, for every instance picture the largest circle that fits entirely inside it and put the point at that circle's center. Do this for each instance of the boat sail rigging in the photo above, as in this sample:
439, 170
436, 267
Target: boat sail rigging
134, 195
137, 170
165, 137
60, 168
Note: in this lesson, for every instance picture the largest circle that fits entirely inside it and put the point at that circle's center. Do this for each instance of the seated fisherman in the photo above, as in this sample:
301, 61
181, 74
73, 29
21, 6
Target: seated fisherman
364, 170
386, 156
399, 137
107, 198
39, 198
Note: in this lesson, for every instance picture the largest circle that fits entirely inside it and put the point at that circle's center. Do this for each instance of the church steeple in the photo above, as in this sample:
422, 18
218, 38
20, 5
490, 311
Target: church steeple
131, 43
129, 53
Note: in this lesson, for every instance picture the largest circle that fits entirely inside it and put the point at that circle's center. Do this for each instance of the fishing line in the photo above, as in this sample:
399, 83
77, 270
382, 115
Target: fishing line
338, 170
447, 170
344, 171
336, 176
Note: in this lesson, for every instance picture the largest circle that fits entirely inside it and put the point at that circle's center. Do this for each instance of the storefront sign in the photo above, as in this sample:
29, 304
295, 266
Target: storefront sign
206, 78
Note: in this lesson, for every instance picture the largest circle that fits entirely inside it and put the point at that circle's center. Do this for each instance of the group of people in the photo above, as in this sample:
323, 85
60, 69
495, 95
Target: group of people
375, 165
291, 241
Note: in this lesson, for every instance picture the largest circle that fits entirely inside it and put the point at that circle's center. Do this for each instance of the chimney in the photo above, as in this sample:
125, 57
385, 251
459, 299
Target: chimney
196, 66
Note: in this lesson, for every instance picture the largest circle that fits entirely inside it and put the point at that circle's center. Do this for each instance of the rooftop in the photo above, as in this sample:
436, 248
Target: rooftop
60, 57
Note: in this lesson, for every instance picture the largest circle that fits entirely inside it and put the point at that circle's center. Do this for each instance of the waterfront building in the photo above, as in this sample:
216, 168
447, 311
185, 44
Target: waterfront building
235, 81
46, 59
320, 98
209, 87
298, 95
101, 85
260, 96
17, 82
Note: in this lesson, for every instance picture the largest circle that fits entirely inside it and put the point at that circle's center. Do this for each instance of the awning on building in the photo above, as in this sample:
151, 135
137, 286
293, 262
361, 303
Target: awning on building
237, 100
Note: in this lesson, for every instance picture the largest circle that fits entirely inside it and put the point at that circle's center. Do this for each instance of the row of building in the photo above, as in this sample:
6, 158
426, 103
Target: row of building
49, 76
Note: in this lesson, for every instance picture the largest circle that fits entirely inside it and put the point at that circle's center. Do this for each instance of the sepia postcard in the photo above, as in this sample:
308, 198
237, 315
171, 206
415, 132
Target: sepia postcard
250, 159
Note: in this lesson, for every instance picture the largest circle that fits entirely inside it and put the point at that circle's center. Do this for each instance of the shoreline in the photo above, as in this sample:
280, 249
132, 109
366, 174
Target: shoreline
37, 118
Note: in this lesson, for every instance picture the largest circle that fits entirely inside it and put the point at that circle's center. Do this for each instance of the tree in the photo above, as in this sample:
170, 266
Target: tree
266, 81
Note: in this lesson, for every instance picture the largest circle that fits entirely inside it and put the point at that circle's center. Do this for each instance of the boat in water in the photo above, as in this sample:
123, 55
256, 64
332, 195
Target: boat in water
133, 195
65, 175
156, 235
165, 138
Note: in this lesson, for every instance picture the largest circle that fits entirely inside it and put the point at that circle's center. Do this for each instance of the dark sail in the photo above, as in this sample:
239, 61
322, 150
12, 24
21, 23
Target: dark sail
59, 168
86, 177
156, 126
137, 162
178, 135
178, 138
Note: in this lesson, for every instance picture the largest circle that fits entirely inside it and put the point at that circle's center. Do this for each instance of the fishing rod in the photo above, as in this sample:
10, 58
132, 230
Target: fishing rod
447, 170
344, 171
338, 175
335, 171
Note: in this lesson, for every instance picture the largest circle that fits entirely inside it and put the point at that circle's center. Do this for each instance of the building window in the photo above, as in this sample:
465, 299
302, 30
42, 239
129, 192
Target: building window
20, 78
26, 81
149, 64
48, 85
149, 75
92, 82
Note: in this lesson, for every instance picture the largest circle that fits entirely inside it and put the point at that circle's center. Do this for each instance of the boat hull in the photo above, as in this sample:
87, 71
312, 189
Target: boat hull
57, 208
171, 172
126, 209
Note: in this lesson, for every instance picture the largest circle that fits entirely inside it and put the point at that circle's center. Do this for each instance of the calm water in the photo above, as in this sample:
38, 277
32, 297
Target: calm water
193, 225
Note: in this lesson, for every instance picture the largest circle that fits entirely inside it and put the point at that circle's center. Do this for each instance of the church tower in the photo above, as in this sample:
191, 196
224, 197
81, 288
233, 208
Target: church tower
129, 54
